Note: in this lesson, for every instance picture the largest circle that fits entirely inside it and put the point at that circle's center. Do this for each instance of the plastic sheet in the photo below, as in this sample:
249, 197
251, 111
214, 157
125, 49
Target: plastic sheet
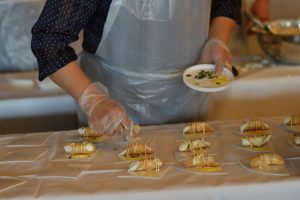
16, 20
142, 66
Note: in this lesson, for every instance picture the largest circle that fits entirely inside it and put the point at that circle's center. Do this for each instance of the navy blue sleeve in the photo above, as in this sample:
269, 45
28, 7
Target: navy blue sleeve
227, 8
59, 25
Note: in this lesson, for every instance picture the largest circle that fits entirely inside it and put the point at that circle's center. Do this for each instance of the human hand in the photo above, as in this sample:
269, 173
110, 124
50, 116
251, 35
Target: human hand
216, 52
260, 8
104, 115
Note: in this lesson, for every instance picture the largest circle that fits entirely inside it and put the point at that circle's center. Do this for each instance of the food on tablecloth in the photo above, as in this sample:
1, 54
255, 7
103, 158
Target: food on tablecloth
149, 164
292, 120
191, 145
202, 160
254, 126
80, 149
89, 134
296, 139
255, 141
136, 150
265, 160
197, 128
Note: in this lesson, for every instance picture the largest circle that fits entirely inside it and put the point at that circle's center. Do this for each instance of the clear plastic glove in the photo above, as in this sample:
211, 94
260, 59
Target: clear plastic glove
104, 115
216, 52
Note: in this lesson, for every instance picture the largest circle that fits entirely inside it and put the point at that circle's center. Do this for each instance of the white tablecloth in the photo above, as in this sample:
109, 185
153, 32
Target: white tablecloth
239, 183
272, 90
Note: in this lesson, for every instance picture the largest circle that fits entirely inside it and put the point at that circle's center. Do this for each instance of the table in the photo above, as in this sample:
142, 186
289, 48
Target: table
263, 91
239, 183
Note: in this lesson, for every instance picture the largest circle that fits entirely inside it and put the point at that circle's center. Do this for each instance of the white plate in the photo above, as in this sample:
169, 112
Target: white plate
193, 83
275, 170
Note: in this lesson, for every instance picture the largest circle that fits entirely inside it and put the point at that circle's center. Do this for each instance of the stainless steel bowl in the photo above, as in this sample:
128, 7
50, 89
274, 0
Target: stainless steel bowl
282, 41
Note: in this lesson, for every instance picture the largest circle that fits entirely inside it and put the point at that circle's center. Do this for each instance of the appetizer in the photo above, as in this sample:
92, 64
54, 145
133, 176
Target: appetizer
292, 120
80, 150
208, 78
89, 134
296, 139
202, 160
197, 128
149, 164
255, 141
136, 150
265, 160
191, 145
254, 125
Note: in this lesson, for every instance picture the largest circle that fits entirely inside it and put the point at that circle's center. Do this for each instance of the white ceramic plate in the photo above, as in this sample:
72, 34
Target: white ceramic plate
205, 85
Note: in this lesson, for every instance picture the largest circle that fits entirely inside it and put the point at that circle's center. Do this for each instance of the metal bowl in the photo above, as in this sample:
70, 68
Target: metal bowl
282, 41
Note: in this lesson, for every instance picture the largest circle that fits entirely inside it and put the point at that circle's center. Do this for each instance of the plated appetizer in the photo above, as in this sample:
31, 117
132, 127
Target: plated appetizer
292, 123
254, 126
204, 163
266, 160
89, 134
149, 164
80, 150
197, 128
255, 141
292, 120
192, 145
136, 151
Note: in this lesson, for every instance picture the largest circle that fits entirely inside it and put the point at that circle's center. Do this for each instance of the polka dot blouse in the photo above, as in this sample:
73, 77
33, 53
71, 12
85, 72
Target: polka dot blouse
61, 21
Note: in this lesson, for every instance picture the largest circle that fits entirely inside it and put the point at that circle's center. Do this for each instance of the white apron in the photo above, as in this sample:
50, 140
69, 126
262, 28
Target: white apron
145, 47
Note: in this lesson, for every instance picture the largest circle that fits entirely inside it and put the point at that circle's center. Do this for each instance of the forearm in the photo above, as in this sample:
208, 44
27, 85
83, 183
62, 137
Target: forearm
221, 28
72, 79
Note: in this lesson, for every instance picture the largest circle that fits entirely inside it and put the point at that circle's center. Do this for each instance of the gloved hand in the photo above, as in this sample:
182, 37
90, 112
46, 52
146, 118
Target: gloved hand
104, 114
216, 52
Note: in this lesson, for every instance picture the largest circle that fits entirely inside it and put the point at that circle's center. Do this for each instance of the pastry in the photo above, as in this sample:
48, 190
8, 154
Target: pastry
80, 150
296, 139
202, 160
149, 164
253, 125
191, 145
89, 134
265, 160
292, 120
255, 141
136, 150
197, 128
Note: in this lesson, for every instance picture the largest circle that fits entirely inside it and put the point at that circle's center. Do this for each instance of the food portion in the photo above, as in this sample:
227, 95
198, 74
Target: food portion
266, 160
292, 120
207, 78
80, 150
191, 145
89, 134
197, 128
296, 140
136, 150
255, 141
202, 160
254, 126
150, 164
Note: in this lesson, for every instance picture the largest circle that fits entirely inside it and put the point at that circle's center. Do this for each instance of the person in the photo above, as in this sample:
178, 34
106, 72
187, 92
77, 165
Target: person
135, 52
